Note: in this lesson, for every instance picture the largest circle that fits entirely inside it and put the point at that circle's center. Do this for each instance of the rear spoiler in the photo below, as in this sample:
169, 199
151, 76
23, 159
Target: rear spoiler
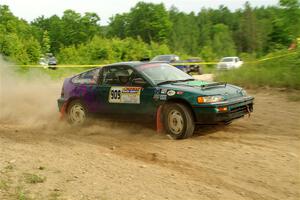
212, 85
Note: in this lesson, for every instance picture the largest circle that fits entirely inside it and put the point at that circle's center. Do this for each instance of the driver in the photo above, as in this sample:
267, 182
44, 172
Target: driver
123, 76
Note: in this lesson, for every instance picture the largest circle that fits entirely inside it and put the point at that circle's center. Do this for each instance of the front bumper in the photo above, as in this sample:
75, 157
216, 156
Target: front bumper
209, 114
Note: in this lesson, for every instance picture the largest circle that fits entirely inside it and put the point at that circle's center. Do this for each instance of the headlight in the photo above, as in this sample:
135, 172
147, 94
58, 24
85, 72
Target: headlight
210, 99
244, 93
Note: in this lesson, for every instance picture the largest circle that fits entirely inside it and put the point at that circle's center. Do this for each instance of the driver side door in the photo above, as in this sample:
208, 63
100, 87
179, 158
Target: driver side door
135, 97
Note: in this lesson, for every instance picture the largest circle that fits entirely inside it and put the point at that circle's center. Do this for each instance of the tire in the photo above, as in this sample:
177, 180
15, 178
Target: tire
178, 121
76, 113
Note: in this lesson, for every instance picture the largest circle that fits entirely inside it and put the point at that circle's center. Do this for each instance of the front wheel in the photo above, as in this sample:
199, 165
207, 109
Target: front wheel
178, 121
76, 113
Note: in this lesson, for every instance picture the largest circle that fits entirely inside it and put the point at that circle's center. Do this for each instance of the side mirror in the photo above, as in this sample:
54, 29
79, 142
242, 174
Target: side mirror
139, 82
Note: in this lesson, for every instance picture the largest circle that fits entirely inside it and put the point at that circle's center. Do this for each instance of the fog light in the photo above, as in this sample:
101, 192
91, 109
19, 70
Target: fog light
222, 109
200, 100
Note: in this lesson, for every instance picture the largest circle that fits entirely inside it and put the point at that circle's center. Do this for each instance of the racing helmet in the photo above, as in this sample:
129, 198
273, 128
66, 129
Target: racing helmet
123, 76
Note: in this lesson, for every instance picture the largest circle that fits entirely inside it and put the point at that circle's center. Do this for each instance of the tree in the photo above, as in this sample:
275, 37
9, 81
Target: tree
222, 42
16, 38
291, 16
46, 43
150, 22
184, 34
248, 32
118, 26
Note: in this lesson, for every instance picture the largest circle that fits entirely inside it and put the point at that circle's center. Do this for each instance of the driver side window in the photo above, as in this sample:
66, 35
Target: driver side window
117, 75
138, 81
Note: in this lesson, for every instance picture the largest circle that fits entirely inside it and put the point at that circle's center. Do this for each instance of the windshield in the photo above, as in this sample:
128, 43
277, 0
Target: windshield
159, 73
227, 60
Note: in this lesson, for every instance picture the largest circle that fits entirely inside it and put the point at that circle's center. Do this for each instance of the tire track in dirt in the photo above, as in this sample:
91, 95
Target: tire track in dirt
197, 173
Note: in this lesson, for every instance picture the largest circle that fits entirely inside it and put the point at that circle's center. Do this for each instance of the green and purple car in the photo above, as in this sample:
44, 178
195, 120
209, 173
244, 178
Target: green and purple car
172, 99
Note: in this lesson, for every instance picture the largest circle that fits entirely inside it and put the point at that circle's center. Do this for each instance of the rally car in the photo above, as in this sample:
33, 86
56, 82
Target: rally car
171, 98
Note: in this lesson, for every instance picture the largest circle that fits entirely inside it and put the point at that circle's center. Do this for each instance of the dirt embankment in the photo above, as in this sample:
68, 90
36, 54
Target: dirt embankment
43, 158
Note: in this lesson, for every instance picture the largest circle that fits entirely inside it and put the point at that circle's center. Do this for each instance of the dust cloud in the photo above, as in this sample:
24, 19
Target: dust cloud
27, 99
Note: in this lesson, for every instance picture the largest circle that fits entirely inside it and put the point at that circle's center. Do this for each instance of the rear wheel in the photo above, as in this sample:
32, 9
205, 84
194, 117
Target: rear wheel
178, 121
76, 113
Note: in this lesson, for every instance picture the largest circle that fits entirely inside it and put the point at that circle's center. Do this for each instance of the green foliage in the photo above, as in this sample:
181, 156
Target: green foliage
16, 39
222, 42
33, 178
277, 72
71, 29
3, 185
148, 21
248, 31
291, 17
207, 53
149, 29
46, 43
103, 50
118, 26
184, 34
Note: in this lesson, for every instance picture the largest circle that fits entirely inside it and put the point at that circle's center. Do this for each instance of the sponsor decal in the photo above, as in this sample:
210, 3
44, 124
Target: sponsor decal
163, 97
179, 92
156, 96
129, 95
171, 93
163, 91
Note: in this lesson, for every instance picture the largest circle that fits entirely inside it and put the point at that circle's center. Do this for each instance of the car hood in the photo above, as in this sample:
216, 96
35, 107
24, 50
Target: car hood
203, 88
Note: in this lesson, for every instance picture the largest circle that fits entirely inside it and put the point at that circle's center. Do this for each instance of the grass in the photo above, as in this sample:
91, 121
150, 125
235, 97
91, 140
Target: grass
3, 185
20, 194
281, 72
209, 69
33, 178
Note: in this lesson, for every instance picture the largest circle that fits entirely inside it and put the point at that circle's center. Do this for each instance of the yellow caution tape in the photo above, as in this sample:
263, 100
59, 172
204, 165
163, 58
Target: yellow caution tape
174, 64
270, 58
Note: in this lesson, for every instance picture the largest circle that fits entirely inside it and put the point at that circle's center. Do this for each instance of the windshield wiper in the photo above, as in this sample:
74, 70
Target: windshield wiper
166, 82
189, 79
175, 81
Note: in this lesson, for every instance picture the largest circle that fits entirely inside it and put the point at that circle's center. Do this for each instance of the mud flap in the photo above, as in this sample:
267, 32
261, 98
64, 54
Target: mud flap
248, 110
63, 111
159, 124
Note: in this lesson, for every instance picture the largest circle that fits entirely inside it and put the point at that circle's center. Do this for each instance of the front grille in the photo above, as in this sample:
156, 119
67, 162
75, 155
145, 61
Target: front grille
243, 108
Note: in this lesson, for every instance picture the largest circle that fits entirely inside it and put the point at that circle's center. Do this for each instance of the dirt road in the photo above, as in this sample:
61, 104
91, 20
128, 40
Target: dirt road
43, 158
